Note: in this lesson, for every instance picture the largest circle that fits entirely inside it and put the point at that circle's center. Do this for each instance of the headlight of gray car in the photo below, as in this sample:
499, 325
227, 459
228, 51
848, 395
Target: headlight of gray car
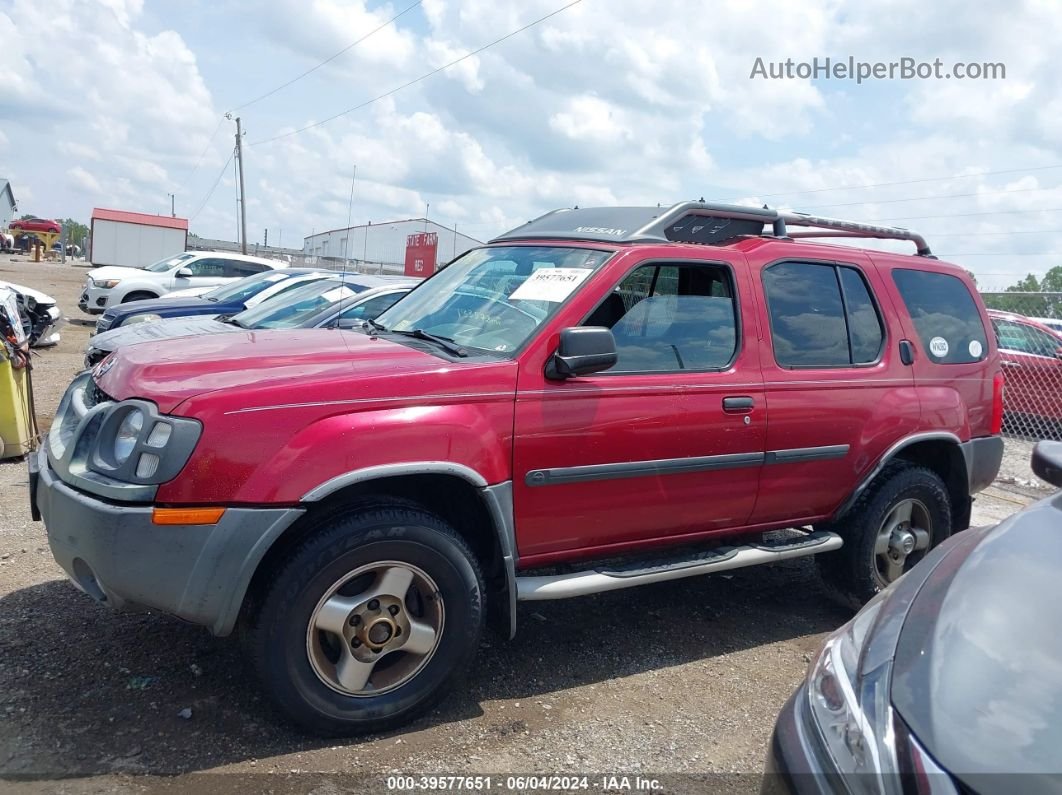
849, 706
126, 437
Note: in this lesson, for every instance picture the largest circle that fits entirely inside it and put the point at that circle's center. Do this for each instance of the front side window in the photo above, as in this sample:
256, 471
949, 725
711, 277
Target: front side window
207, 267
822, 315
668, 317
945, 316
371, 307
493, 299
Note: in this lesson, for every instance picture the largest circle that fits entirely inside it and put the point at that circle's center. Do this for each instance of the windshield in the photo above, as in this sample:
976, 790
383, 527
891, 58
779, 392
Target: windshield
242, 289
292, 309
493, 299
169, 262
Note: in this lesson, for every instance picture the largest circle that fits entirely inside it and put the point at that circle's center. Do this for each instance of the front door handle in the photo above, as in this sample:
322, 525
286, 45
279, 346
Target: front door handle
742, 403
1005, 363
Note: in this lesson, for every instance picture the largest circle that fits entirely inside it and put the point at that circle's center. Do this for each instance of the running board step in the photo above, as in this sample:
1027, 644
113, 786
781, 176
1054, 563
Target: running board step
565, 586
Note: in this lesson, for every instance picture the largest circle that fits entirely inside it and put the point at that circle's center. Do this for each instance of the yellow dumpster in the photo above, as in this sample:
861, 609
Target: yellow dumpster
18, 424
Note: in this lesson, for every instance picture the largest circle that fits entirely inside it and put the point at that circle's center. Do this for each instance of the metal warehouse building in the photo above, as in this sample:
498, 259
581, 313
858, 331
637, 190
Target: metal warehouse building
382, 247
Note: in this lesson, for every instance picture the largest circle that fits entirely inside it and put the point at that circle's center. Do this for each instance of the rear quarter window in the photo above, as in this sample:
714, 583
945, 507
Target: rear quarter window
945, 316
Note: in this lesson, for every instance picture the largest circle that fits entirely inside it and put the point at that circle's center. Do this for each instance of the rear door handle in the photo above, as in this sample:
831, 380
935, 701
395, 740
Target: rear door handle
738, 404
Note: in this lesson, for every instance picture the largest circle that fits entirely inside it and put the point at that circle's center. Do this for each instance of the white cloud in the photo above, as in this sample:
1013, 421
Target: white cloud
83, 180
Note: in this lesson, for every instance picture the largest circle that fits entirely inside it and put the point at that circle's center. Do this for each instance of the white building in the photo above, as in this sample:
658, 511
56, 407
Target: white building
135, 239
383, 244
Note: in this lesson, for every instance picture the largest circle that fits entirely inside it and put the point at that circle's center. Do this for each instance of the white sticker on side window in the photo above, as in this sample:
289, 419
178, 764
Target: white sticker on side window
938, 346
975, 349
550, 284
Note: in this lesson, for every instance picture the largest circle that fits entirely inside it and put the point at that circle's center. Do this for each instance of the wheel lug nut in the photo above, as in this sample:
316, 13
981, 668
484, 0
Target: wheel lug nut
393, 610
355, 620
374, 604
355, 642
398, 631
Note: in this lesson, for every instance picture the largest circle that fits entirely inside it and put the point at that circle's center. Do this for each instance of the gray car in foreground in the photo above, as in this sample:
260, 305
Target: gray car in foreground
947, 682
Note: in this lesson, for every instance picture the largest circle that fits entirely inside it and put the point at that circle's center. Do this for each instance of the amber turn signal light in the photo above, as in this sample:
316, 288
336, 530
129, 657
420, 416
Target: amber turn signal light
186, 515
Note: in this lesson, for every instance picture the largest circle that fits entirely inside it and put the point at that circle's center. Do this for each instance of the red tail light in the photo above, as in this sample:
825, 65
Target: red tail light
997, 404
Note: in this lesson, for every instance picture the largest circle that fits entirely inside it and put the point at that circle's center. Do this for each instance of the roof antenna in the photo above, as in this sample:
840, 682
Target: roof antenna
702, 200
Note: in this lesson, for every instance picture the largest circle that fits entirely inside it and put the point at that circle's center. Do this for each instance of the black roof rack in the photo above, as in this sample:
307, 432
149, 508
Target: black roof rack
695, 222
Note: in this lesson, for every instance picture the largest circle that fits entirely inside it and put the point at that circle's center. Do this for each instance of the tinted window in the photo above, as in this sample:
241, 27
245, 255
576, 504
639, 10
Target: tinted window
214, 268
1026, 339
671, 317
807, 315
291, 309
239, 269
245, 288
945, 316
371, 307
864, 324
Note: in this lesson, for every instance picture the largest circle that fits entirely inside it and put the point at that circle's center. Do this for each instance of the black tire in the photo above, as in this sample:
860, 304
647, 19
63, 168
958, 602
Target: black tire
851, 574
138, 296
276, 637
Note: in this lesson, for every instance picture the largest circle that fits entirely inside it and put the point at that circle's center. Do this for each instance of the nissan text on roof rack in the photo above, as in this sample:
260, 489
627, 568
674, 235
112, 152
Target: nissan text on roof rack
598, 399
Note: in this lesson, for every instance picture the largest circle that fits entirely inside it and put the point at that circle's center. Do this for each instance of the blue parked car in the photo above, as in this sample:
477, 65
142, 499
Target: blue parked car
228, 299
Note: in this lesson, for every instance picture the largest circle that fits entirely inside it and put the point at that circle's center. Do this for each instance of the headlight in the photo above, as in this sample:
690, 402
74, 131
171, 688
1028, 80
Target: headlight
147, 317
128, 433
106, 284
850, 706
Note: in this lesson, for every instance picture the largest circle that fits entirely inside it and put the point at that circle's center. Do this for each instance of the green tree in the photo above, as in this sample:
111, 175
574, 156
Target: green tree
76, 232
1052, 281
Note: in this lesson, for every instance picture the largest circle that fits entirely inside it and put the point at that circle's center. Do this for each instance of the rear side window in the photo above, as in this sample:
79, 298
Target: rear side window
821, 315
945, 316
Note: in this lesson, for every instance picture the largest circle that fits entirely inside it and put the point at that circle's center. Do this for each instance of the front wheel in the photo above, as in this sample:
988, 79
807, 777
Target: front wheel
368, 621
904, 513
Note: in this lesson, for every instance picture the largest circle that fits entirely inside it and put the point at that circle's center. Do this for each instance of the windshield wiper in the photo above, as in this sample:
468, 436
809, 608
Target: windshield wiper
443, 342
231, 320
375, 325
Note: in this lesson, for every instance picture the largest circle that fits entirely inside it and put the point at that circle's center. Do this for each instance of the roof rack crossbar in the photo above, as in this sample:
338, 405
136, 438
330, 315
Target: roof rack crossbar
647, 224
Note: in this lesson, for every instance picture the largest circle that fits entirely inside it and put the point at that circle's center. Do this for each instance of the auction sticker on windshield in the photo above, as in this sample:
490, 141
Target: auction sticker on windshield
550, 284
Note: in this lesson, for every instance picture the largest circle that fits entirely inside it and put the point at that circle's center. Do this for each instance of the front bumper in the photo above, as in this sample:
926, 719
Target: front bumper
796, 760
119, 557
94, 300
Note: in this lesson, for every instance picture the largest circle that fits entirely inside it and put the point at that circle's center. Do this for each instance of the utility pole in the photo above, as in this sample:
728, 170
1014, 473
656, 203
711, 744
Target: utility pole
243, 196
173, 212
266, 242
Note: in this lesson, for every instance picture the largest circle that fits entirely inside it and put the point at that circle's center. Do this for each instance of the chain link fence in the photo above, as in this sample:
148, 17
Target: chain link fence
1028, 328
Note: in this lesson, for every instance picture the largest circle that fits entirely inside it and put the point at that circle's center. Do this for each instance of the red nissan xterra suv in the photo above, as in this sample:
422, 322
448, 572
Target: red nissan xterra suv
600, 398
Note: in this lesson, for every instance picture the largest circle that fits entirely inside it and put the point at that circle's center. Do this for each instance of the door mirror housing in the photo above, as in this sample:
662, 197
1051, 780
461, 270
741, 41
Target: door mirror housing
184, 273
583, 350
1058, 352
1047, 462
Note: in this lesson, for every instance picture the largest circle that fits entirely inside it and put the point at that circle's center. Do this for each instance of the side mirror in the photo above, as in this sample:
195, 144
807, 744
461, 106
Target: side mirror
350, 322
1047, 462
583, 350
1058, 353
185, 273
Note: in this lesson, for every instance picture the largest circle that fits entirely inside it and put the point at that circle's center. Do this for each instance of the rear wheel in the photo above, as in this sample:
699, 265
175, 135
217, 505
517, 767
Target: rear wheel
903, 514
138, 296
368, 621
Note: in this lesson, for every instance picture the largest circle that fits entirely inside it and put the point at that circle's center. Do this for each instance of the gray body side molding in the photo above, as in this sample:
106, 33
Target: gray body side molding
982, 457
394, 470
498, 500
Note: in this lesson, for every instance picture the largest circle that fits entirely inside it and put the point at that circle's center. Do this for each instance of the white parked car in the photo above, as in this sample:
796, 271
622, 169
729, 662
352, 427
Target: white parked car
41, 312
112, 285
1052, 323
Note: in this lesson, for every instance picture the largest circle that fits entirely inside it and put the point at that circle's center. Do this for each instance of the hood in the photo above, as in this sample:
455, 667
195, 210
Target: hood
978, 669
36, 295
306, 362
119, 272
189, 292
172, 306
158, 330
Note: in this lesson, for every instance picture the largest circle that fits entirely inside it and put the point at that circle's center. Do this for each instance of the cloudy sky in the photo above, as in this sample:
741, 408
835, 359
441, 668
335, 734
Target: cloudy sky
118, 103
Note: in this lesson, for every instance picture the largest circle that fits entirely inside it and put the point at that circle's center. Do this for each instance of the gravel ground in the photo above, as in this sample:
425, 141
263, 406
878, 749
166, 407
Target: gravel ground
683, 677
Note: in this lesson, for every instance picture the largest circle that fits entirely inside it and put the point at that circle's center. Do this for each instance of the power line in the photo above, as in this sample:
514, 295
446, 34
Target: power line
202, 155
328, 60
928, 198
903, 182
423, 77
213, 187
960, 215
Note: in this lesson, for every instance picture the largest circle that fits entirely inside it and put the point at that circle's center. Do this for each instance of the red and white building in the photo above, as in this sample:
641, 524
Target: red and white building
135, 239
